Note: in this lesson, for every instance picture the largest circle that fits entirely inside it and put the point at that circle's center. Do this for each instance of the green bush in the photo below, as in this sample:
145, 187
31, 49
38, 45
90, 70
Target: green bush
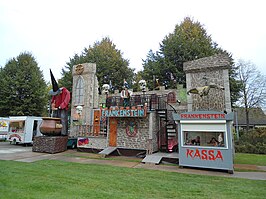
253, 141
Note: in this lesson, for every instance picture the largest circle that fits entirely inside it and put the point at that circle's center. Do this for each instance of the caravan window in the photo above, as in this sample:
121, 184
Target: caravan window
16, 126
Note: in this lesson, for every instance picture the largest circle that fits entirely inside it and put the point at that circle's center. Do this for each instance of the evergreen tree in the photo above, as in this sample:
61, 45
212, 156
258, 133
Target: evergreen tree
23, 88
188, 42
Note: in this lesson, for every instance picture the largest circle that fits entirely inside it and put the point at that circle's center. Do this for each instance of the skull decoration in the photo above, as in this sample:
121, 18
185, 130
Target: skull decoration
142, 84
79, 109
106, 88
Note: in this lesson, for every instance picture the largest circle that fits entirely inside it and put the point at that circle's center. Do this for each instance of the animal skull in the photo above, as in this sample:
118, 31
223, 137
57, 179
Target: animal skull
142, 84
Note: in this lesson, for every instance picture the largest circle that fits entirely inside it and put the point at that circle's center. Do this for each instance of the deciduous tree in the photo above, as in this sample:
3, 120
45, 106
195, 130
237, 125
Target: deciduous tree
110, 64
253, 89
23, 89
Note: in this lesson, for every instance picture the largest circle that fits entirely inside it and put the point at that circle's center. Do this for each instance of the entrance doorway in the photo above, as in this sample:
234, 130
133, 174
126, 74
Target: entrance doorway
113, 131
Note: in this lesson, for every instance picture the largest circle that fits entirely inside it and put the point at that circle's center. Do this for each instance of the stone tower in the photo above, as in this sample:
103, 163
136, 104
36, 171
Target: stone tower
206, 71
84, 95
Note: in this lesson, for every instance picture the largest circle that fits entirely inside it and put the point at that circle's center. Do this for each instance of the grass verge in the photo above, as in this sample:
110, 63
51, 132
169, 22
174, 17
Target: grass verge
57, 179
252, 159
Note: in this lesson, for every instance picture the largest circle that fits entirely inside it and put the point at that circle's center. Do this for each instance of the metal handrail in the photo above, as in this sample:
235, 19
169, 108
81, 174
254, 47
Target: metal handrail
151, 101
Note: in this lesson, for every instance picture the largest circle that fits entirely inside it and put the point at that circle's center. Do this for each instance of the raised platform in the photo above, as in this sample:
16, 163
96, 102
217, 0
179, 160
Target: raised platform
50, 144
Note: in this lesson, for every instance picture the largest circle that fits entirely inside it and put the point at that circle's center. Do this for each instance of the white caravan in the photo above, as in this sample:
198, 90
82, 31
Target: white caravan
4, 124
23, 129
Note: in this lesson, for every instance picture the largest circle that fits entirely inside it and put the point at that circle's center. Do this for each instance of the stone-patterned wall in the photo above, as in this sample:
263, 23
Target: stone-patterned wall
96, 143
205, 71
215, 99
141, 139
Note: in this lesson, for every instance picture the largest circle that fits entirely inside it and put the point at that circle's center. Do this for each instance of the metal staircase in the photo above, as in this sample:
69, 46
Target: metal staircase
167, 130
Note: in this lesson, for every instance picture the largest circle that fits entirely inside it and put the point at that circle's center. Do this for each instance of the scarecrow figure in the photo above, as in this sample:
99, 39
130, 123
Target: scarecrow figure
59, 103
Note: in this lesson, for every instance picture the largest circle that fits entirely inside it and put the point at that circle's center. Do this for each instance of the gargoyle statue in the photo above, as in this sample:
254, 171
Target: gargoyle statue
204, 90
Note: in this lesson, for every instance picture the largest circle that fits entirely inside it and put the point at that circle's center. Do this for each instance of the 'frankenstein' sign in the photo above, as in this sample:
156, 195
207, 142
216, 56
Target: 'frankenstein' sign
124, 113
203, 115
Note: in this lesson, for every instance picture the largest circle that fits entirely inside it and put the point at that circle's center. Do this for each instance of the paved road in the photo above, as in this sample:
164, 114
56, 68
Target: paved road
24, 154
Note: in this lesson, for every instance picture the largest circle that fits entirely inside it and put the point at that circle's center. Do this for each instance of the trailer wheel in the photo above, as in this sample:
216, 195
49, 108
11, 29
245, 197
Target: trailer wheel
14, 141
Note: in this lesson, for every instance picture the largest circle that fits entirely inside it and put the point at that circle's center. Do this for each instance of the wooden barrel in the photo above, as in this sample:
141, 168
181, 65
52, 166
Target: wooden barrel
51, 126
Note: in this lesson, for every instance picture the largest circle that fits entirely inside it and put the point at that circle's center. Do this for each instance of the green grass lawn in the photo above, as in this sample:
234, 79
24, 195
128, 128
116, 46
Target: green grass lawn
58, 179
246, 158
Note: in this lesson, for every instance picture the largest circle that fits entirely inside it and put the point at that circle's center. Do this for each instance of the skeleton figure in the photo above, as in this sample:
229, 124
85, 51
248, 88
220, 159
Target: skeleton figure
204, 90
106, 88
142, 84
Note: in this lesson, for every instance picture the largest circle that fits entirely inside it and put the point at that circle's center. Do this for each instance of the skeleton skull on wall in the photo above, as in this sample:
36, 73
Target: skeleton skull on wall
79, 109
142, 84
106, 88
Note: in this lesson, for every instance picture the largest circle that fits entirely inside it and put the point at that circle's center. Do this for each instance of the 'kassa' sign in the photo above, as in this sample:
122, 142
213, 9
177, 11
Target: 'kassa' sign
204, 154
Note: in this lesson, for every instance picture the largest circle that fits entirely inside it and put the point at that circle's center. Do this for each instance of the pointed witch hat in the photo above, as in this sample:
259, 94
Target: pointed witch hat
55, 89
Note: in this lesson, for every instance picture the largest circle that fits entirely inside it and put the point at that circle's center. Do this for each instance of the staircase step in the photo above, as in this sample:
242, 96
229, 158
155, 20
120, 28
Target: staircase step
170, 131
171, 134
170, 126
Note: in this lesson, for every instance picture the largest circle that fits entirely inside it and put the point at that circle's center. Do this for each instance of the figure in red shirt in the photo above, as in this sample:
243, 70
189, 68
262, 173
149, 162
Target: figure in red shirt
59, 103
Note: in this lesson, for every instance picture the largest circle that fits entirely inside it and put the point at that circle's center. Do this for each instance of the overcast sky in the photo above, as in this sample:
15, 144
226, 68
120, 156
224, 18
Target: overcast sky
54, 30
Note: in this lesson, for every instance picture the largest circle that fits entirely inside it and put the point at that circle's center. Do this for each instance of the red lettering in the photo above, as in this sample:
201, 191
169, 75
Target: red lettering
211, 155
197, 154
189, 153
204, 155
183, 116
219, 155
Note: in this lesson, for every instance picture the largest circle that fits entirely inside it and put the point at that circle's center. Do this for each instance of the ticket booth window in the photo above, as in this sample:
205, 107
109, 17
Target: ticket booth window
204, 139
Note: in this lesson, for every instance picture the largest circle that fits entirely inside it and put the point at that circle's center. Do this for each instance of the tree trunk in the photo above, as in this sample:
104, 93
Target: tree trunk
247, 118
